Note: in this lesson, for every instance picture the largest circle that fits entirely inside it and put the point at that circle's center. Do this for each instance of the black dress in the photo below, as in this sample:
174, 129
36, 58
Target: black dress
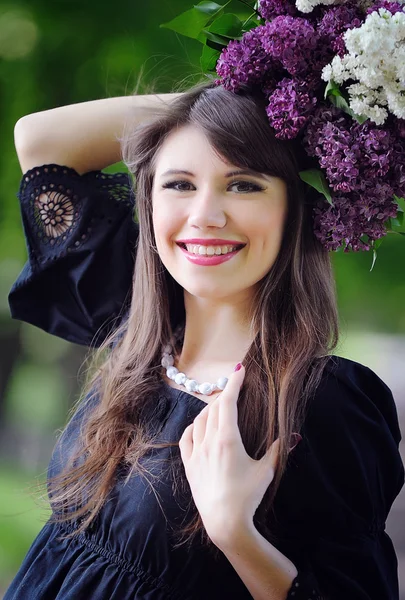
335, 495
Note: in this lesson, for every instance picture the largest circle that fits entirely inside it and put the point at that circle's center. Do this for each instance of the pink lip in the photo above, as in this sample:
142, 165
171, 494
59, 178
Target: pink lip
207, 261
211, 242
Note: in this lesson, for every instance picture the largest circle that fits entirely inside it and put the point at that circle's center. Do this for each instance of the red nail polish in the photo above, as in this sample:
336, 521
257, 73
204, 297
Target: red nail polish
238, 367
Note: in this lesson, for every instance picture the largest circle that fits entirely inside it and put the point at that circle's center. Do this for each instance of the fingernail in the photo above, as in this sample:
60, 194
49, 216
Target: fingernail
238, 367
294, 440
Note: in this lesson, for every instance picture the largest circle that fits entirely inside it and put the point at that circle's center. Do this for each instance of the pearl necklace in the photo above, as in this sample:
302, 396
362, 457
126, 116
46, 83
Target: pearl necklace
191, 385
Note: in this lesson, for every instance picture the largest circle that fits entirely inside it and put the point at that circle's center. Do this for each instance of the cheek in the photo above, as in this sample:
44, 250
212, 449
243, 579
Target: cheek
164, 225
265, 227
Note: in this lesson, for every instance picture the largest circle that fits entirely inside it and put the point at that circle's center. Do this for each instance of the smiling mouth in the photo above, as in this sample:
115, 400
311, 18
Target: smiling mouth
235, 248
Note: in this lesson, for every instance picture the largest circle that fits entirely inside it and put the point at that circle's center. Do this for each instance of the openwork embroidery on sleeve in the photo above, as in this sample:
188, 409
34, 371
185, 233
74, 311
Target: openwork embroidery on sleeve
56, 213
62, 208
55, 208
118, 190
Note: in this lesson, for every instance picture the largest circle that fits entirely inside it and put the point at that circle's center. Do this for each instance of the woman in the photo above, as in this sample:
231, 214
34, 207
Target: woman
234, 513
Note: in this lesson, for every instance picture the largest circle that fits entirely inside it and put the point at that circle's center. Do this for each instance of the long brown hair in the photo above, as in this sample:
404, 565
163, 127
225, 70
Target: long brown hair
294, 313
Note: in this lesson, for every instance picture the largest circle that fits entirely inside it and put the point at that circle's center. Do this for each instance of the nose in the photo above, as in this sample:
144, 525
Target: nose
206, 210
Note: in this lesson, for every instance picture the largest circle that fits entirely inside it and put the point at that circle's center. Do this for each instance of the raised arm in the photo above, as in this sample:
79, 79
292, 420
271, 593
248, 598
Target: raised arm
76, 283
83, 136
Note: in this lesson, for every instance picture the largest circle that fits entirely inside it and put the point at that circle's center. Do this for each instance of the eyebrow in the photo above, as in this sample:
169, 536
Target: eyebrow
228, 175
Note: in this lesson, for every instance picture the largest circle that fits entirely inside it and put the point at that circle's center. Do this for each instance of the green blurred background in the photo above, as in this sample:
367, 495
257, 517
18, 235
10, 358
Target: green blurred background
68, 51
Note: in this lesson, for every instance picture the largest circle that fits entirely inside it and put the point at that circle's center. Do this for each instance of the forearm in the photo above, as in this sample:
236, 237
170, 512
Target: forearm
265, 571
84, 136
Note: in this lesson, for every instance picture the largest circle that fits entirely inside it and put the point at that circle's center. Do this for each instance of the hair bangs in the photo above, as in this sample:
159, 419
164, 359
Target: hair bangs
238, 129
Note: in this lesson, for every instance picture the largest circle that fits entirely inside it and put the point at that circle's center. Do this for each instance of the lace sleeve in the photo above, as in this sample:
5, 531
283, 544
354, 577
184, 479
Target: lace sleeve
81, 237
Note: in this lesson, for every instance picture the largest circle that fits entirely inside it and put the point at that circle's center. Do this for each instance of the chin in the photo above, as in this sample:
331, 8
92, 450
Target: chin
205, 291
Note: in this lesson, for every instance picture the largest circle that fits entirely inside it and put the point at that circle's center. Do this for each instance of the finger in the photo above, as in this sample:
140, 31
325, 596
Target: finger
186, 443
213, 414
228, 409
200, 424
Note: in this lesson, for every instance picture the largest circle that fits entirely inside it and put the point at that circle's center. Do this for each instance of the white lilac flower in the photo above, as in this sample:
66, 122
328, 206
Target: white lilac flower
375, 60
364, 100
270, 8
307, 6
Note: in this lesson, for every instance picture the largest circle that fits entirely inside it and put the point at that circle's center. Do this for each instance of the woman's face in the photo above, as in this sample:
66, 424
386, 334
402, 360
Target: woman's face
197, 195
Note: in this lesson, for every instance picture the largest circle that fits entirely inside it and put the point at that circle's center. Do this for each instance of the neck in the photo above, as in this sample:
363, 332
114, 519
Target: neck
216, 337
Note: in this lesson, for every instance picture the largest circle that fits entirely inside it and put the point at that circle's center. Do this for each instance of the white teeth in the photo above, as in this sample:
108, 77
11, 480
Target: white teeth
210, 250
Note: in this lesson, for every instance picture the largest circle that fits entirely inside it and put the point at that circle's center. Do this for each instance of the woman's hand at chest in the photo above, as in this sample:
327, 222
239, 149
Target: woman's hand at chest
226, 483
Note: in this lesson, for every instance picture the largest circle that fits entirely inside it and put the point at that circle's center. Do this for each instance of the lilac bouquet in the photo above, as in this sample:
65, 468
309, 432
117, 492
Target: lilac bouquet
333, 72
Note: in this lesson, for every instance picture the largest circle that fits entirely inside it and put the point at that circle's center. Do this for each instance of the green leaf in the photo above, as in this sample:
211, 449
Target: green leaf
228, 26
374, 259
221, 40
208, 60
375, 244
338, 99
316, 179
209, 8
253, 4
398, 221
332, 89
340, 102
250, 23
359, 118
214, 45
399, 202
191, 22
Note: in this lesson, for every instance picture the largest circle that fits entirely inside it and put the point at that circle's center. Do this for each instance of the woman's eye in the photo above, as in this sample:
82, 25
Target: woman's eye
246, 186
180, 186
242, 186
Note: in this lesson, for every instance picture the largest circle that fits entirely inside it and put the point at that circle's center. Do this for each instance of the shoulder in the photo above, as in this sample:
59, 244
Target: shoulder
349, 463
353, 394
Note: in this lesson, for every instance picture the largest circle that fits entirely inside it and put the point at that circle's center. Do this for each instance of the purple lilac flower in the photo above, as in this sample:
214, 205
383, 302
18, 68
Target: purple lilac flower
364, 165
400, 127
333, 225
327, 137
353, 216
269, 9
290, 107
399, 165
349, 152
269, 85
244, 61
375, 144
393, 7
335, 22
292, 42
